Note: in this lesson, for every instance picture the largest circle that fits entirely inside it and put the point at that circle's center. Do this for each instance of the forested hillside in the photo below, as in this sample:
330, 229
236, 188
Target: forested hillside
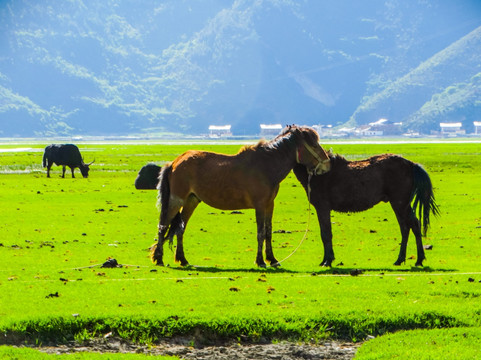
84, 67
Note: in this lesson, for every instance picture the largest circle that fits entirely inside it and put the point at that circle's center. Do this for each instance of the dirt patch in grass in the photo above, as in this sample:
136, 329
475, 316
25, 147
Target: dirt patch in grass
184, 350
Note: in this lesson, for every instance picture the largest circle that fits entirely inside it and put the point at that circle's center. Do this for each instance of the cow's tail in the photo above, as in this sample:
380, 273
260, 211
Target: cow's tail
45, 158
423, 196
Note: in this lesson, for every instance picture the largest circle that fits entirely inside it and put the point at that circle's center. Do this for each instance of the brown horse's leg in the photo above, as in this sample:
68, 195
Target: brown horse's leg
261, 235
157, 251
269, 253
324, 218
187, 211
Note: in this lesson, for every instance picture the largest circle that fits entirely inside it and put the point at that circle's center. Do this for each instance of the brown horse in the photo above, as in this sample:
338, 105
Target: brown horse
248, 180
353, 186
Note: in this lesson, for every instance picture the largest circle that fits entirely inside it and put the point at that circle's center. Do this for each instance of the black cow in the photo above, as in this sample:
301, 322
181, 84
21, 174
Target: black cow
65, 155
148, 177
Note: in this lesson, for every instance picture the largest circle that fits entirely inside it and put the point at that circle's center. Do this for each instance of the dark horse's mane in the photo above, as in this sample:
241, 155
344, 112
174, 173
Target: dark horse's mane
337, 160
287, 140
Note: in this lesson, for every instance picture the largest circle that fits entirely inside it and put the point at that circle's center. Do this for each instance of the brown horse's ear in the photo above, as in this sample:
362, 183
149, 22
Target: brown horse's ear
330, 152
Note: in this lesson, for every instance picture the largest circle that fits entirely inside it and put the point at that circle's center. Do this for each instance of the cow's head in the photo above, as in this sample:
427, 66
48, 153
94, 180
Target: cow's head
148, 177
84, 169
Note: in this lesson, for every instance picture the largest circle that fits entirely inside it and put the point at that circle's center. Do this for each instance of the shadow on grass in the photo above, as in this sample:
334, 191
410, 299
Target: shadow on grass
359, 271
213, 269
322, 271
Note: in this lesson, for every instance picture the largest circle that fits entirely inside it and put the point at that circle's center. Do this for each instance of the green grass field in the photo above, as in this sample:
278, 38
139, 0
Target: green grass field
56, 232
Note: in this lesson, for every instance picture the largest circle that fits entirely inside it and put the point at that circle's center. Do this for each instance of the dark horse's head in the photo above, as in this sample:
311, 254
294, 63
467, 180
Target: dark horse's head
308, 151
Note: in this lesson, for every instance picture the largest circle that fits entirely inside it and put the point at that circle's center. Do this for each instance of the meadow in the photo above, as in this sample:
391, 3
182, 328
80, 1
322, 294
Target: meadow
56, 234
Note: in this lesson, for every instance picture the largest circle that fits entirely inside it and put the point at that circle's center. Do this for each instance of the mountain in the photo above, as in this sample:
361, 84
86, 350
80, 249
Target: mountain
445, 87
84, 67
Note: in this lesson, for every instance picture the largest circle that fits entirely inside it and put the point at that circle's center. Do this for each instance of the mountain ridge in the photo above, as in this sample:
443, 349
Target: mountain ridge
83, 67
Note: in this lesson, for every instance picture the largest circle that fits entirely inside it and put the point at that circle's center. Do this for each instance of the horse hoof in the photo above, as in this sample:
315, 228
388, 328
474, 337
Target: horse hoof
397, 263
276, 264
262, 265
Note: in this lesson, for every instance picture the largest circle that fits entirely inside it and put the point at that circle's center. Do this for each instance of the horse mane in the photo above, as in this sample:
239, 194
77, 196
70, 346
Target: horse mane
337, 158
287, 140
254, 147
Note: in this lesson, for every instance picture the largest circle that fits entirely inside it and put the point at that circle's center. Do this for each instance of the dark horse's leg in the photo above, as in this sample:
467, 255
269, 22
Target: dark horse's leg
407, 220
188, 209
324, 217
416, 228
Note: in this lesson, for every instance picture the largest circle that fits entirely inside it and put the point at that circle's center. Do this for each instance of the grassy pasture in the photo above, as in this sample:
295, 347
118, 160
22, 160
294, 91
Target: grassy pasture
56, 232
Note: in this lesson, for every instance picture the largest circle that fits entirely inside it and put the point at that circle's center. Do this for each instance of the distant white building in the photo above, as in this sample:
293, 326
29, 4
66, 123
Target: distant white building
345, 131
452, 128
369, 131
218, 131
270, 129
477, 127
384, 127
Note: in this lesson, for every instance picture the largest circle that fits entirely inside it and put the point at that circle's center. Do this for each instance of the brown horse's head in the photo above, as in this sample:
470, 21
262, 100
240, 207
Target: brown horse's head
309, 153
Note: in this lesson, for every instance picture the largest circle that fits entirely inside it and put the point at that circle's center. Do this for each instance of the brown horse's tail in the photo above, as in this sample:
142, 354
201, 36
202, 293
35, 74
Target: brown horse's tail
164, 194
176, 224
423, 197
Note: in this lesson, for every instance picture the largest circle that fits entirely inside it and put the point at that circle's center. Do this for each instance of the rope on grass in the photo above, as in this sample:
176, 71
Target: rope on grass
307, 225
291, 276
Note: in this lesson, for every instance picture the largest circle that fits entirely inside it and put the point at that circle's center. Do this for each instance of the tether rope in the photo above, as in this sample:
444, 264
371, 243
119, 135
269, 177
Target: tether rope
314, 275
307, 225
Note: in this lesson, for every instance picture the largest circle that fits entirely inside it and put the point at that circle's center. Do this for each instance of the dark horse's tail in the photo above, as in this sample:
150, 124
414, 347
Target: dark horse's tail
163, 201
423, 197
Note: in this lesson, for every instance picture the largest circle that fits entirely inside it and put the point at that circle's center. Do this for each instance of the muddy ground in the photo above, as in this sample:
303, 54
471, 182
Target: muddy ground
281, 351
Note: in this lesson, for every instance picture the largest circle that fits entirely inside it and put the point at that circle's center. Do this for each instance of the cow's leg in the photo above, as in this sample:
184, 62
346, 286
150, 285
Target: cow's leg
72, 168
63, 171
49, 165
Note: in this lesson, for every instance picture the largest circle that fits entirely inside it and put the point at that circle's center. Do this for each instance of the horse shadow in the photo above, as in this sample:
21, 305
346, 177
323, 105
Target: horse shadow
380, 271
319, 272
256, 270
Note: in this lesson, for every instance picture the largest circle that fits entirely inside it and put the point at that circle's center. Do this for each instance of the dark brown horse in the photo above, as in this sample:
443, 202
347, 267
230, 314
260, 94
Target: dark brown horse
248, 180
352, 186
